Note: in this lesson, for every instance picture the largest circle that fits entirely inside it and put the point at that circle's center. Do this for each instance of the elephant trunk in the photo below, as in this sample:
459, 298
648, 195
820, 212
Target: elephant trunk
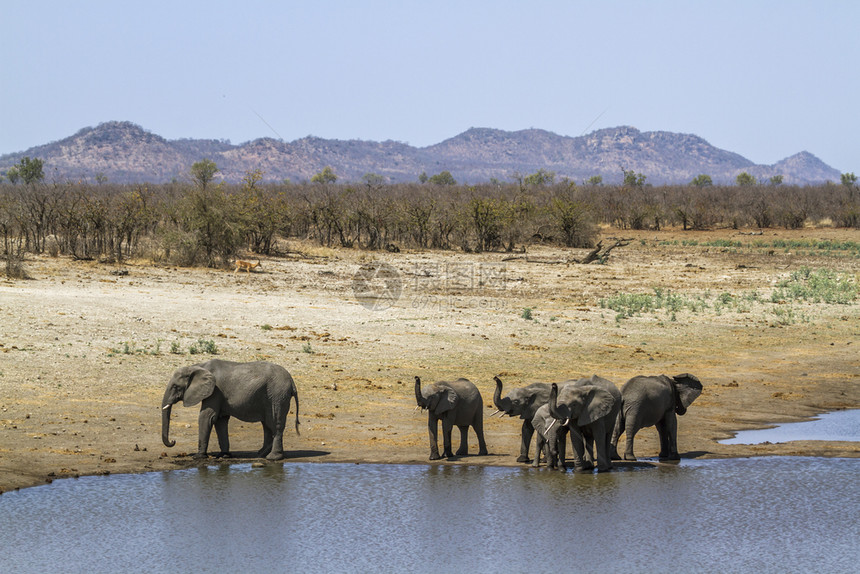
553, 404
165, 425
418, 396
497, 396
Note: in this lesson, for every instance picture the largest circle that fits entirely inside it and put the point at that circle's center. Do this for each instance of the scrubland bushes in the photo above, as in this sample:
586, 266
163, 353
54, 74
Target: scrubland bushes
188, 224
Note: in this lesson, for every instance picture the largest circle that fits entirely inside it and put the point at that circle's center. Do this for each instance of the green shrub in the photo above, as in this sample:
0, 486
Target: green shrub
203, 346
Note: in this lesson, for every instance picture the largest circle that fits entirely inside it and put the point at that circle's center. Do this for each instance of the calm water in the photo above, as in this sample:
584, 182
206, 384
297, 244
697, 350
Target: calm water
838, 425
741, 515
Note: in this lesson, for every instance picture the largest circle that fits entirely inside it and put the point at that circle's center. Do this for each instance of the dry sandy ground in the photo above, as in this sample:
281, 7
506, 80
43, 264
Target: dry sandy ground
86, 351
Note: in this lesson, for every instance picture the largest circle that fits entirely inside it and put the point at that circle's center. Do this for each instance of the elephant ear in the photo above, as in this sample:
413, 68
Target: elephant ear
688, 388
201, 384
529, 409
598, 403
447, 401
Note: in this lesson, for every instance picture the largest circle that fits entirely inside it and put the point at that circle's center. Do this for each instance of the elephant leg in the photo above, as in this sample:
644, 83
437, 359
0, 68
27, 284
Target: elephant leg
540, 444
527, 433
577, 442
632, 426
554, 448
464, 440
667, 429
205, 421
588, 440
628, 449
601, 438
223, 437
277, 452
560, 449
279, 416
433, 429
267, 441
604, 462
478, 425
661, 433
672, 437
447, 428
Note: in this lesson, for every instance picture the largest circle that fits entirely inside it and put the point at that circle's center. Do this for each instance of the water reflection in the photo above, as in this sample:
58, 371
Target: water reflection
835, 426
744, 515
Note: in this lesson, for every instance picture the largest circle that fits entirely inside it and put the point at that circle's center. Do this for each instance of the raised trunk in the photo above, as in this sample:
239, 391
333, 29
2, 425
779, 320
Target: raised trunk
419, 398
553, 403
165, 426
497, 396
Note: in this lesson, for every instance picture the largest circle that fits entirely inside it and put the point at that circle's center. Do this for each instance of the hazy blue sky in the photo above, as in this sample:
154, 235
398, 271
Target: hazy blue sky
765, 79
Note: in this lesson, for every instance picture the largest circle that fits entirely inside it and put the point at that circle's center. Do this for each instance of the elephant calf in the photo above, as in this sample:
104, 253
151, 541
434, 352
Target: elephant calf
251, 392
456, 403
551, 438
655, 401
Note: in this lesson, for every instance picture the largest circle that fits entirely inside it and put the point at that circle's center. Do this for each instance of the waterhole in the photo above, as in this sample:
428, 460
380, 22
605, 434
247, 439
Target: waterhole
739, 515
835, 426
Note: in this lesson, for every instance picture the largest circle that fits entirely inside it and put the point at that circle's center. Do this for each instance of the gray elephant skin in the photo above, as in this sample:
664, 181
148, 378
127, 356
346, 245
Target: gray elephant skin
551, 437
457, 404
589, 409
655, 401
252, 392
524, 403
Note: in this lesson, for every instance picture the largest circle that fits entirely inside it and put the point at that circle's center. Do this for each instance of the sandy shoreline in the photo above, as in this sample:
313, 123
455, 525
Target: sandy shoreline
85, 351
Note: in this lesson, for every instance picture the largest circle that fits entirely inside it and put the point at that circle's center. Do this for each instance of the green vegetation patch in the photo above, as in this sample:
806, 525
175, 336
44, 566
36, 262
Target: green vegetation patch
819, 286
803, 286
633, 304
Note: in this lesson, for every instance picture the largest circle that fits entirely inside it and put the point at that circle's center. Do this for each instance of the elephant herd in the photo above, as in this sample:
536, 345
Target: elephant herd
592, 411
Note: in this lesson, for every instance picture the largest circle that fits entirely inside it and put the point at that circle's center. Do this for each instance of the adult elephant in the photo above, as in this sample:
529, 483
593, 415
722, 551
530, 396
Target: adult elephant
655, 401
524, 403
457, 404
588, 408
251, 392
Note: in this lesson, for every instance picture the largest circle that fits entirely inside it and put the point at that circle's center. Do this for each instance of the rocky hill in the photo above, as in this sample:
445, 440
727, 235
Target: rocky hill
125, 152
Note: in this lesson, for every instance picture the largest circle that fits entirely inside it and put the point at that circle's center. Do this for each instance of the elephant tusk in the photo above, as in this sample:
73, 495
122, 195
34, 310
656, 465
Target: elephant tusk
495, 413
549, 427
165, 407
566, 422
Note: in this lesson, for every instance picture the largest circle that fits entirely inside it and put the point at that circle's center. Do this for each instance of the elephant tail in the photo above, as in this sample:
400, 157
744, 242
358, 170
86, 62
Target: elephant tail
296, 396
620, 422
616, 434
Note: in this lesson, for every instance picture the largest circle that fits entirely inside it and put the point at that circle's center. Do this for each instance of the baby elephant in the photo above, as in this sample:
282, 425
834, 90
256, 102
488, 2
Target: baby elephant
551, 438
456, 403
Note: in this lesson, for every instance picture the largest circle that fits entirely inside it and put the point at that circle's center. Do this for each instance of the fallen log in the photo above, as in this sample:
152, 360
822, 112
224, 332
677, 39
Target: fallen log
599, 254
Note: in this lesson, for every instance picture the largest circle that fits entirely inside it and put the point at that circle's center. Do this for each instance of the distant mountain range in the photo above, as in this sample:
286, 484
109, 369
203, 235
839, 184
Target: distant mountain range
124, 152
